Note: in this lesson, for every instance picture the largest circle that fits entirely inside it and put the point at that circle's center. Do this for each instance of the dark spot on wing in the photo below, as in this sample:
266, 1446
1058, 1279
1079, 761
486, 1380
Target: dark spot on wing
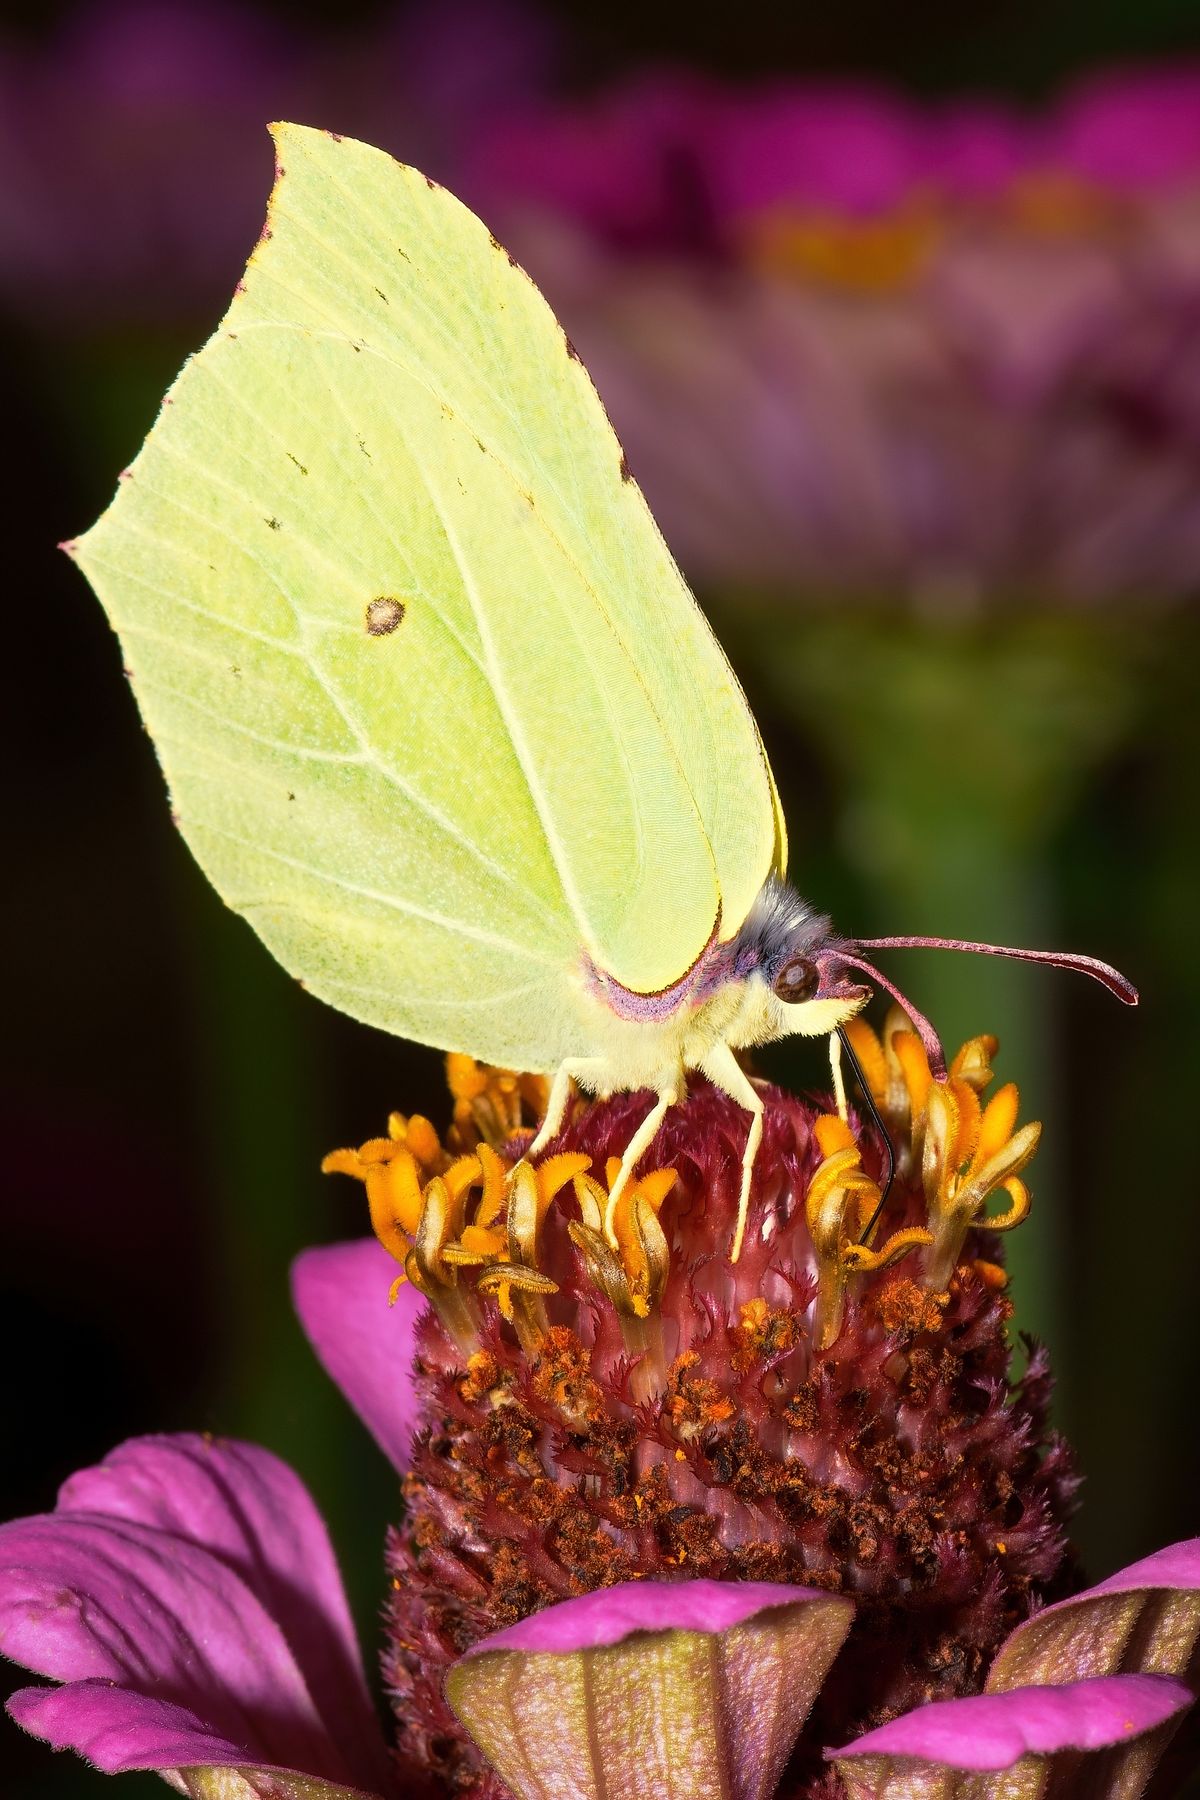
362, 444
383, 296
298, 463
273, 524
335, 135
625, 474
291, 796
572, 352
384, 614
401, 251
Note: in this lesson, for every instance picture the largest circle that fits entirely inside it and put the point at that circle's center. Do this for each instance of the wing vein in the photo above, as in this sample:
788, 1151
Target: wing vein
457, 927
491, 672
369, 754
417, 589
150, 684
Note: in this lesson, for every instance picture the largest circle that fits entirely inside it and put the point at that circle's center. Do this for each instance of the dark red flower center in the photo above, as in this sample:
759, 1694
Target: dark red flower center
901, 1464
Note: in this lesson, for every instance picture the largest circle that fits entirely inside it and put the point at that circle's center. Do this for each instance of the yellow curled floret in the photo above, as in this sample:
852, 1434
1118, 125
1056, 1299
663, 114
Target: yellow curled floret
839, 1204
476, 1207
633, 1273
970, 1153
438, 1215
492, 1104
964, 1152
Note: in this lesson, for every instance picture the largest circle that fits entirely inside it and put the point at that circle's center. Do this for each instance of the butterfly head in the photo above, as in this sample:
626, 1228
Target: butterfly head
814, 978
806, 988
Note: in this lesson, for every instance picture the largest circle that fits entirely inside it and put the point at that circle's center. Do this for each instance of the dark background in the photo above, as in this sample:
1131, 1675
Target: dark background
168, 1093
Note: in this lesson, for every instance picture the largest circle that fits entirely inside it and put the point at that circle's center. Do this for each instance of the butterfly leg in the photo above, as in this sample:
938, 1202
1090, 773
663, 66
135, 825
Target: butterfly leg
639, 1143
839, 1079
580, 1068
725, 1071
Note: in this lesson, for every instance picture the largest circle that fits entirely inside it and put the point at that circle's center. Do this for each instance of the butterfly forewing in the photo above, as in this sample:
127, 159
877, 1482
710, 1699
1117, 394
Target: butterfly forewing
436, 708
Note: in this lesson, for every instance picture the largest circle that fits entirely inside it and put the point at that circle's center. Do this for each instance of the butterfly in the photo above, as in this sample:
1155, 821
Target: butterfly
437, 711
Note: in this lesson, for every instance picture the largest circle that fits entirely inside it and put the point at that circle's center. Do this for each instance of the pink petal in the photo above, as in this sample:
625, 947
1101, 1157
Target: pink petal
1135, 131
117, 1731
677, 1689
843, 149
197, 1578
1145, 1617
1102, 1661
249, 1509
610, 1614
365, 1345
995, 1731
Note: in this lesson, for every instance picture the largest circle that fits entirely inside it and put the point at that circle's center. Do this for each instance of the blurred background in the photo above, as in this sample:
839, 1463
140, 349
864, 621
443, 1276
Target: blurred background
898, 315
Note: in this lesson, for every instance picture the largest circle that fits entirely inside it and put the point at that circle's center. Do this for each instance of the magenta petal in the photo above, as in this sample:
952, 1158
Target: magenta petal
365, 1345
118, 1731
838, 148
994, 1731
1094, 1673
610, 1614
1145, 1617
197, 1578
681, 1690
1175, 1567
251, 1511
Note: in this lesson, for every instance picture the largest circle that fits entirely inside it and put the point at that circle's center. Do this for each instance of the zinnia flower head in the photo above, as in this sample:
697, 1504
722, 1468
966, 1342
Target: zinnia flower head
673, 1525
854, 343
632, 1405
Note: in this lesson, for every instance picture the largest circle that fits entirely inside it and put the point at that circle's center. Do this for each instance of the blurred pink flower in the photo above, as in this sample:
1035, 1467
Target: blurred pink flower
135, 148
852, 343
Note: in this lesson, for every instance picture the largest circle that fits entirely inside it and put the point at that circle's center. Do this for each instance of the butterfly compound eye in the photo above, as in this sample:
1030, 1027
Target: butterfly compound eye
798, 980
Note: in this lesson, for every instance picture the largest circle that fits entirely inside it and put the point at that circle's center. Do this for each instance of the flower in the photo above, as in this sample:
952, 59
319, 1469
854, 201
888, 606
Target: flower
853, 343
135, 138
672, 1524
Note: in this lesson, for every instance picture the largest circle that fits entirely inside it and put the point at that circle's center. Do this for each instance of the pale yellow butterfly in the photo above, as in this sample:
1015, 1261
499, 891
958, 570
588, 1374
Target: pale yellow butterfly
438, 713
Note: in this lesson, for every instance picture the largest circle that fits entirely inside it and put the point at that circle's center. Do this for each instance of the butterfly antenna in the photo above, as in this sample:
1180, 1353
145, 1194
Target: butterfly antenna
889, 1154
923, 1027
1103, 972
